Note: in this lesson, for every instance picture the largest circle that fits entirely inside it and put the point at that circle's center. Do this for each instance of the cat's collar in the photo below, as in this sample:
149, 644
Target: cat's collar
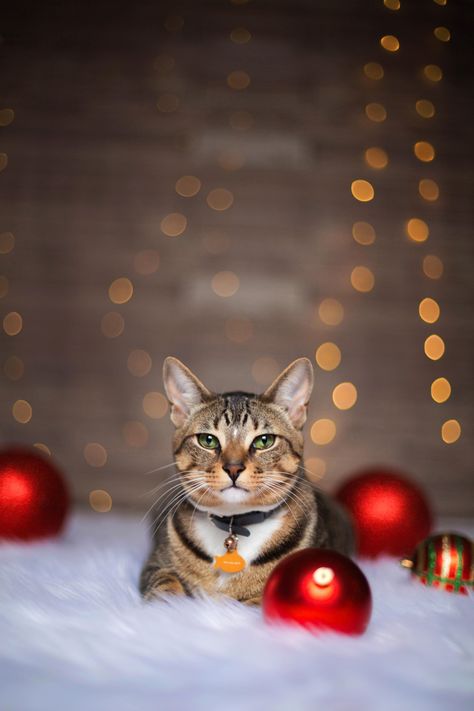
238, 522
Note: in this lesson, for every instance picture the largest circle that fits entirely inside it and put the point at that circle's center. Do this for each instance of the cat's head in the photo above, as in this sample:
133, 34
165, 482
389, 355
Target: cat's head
238, 451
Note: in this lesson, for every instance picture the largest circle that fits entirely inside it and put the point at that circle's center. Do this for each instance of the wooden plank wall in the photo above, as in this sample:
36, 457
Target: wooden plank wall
113, 103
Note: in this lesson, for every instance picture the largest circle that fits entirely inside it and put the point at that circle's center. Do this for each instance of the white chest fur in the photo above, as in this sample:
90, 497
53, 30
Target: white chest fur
211, 538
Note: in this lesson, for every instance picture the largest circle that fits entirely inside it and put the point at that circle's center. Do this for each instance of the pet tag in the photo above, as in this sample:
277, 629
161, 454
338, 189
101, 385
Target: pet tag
231, 561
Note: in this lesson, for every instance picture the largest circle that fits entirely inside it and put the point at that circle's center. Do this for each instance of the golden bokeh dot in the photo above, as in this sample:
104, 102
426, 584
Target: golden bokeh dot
3, 161
441, 2
362, 190
434, 347
231, 159
376, 158
425, 108
390, 43
43, 448
121, 290
331, 312
225, 284
3, 286
392, 4
164, 63
362, 279
264, 370
424, 151
433, 72
216, 242
238, 330
450, 431
376, 112
240, 35
155, 405
174, 224
428, 189
417, 230
363, 233
146, 262
220, 199
12, 323
188, 186
174, 23
95, 454
14, 368
344, 396
241, 120
135, 434
442, 34
238, 80
433, 266
112, 324
328, 356
373, 70
429, 310
7, 242
100, 500
315, 468
22, 411
323, 431
6, 117
168, 103
440, 390
139, 363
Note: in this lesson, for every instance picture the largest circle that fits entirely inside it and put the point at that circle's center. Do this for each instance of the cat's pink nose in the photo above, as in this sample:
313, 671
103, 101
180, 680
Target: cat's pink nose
233, 470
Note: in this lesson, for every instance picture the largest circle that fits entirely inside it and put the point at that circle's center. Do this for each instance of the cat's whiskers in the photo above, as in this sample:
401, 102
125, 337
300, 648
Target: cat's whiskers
279, 479
175, 502
187, 475
269, 487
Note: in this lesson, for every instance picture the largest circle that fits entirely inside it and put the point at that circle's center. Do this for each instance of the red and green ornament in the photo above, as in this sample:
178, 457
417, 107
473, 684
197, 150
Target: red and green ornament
446, 561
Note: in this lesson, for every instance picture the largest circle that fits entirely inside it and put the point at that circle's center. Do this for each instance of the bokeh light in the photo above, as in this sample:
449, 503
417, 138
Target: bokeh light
376, 158
216, 242
331, 312
14, 368
6, 117
155, 405
433, 266
13, 323
315, 468
428, 189
112, 324
95, 454
434, 347
3, 286
363, 233
440, 390
135, 434
323, 431
424, 151
220, 199
429, 310
374, 71
328, 356
139, 363
417, 230
225, 284
3, 161
264, 370
43, 448
238, 80
344, 396
146, 262
240, 35
442, 34
392, 4
425, 108
7, 242
376, 112
390, 43
362, 279
188, 186
450, 431
174, 224
100, 500
362, 190
22, 411
432, 72
231, 159
121, 290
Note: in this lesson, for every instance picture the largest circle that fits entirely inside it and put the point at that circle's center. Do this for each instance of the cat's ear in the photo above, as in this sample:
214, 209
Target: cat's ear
183, 389
292, 390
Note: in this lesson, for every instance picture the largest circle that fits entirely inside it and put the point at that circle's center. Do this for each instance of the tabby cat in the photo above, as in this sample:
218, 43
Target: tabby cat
243, 499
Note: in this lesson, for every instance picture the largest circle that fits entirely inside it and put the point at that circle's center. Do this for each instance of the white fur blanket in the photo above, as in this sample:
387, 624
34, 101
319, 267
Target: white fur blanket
74, 636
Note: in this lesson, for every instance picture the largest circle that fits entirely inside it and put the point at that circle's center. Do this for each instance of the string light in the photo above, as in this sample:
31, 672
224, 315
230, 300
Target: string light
174, 224
7, 242
220, 199
155, 405
362, 279
14, 368
13, 323
376, 112
434, 347
374, 71
362, 190
112, 324
331, 312
6, 117
95, 454
424, 151
429, 310
238, 80
225, 284
43, 448
440, 390
376, 158
323, 431
240, 35
100, 500
425, 108
450, 431
433, 266
363, 233
22, 411
344, 396
146, 262
392, 4
390, 43
121, 290
428, 189
432, 72
328, 356
139, 363
442, 34
417, 230
188, 186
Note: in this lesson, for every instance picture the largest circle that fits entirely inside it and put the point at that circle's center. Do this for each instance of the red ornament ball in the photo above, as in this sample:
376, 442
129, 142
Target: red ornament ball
445, 560
319, 589
390, 513
34, 500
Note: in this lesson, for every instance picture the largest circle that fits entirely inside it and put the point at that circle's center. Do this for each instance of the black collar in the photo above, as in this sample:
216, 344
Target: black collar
236, 524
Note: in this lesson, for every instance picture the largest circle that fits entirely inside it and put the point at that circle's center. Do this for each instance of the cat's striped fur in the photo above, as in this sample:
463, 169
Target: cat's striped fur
237, 478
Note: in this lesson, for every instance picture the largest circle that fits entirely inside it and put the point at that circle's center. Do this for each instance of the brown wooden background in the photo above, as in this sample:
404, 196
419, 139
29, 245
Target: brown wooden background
112, 104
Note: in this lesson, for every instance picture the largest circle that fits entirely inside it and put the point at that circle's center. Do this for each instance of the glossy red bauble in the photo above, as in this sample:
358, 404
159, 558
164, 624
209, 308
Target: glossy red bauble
34, 500
319, 589
390, 513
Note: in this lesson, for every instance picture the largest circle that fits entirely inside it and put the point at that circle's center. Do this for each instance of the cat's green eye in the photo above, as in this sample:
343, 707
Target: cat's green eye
263, 441
208, 441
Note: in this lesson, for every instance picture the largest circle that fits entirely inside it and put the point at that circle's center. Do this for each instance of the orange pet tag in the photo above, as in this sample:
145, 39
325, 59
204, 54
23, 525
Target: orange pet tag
231, 561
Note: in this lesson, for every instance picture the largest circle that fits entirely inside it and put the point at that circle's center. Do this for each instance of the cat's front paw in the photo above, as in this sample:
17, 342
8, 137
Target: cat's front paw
161, 583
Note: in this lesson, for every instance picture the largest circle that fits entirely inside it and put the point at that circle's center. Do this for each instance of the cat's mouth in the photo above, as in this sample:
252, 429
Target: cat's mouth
234, 486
